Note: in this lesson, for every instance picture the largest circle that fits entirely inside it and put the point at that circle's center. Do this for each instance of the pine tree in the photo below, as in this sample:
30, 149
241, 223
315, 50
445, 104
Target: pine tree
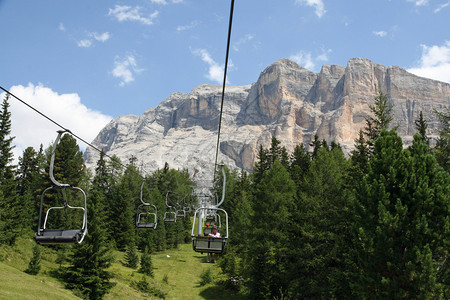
263, 163
317, 267
10, 206
273, 206
421, 127
442, 149
122, 206
360, 156
131, 257
146, 263
315, 144
34, 266
380, 120
402, 223
91, 259
29, 182
6, 155
300, 162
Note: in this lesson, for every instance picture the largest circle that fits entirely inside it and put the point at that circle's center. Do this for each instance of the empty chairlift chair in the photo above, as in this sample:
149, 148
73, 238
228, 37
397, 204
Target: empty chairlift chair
146, 215
181, 213
45, 235
170, 216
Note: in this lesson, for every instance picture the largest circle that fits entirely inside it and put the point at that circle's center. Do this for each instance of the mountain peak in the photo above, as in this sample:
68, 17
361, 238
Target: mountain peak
287, 101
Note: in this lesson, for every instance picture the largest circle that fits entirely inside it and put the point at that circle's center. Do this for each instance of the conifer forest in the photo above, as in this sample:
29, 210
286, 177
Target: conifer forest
311, 224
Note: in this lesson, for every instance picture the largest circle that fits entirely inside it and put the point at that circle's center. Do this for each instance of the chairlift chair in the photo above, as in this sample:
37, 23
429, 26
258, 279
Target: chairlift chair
45, 235
204, 243
170, 215
144, 217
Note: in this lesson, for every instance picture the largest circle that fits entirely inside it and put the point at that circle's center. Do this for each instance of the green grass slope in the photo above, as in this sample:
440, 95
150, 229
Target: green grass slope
16, 284
177, 273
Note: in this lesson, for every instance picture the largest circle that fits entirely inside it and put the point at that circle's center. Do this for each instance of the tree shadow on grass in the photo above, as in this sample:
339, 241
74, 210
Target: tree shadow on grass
201, 259
217, 292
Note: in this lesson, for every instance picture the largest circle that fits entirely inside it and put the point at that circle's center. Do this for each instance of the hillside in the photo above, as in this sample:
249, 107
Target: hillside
287, 101
181, 267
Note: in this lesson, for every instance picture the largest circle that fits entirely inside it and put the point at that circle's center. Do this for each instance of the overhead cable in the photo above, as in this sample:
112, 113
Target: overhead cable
223, 85
59, 125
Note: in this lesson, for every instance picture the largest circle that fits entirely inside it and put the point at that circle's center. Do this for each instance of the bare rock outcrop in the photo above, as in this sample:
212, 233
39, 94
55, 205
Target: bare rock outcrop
287, 101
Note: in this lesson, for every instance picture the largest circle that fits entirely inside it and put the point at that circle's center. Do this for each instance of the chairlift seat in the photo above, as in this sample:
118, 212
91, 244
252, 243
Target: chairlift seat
143, 222
170, 217
181, 213
146, 225
205, 244
58, 236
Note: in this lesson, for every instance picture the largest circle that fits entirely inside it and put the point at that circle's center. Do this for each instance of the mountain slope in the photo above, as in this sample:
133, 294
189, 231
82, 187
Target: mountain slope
287, 101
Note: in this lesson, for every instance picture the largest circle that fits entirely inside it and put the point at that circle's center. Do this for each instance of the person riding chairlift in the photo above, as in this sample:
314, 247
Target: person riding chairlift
214, 234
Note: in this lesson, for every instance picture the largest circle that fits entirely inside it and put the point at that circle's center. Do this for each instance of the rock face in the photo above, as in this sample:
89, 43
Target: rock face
287, 101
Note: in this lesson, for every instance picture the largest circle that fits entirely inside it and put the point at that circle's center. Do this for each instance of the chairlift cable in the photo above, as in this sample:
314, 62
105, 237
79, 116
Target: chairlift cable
223, 85
60, 126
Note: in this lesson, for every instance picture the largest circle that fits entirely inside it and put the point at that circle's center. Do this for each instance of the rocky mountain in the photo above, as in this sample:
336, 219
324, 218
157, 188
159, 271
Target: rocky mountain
287, 101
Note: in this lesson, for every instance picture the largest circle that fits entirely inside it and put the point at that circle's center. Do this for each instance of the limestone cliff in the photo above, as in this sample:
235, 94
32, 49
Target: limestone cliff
287, 101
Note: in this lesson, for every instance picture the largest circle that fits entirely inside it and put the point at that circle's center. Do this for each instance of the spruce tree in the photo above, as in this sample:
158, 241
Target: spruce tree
360, 157
421, 127
442, 149
402, 223
131, 257
90, 260
300, 162
6, 155
319, 234
380, 119
273, 206
10, 205
122, 206
34, 266
315, 144
29, 184
146, 263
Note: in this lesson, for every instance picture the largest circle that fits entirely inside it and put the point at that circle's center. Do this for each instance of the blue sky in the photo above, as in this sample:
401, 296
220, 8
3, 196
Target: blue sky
83, 62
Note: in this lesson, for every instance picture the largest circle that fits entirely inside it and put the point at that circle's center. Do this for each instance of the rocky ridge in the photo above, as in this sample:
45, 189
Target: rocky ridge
287, 101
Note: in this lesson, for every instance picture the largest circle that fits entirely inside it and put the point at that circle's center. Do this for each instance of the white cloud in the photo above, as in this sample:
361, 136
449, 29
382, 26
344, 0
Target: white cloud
317, 4
243, 40
419, 2
125, 69
441, 7
215, 71
187, 27
434, 63
61, 27
101, 37
32, 129
128, 13
380, 33
306, 60
84, 43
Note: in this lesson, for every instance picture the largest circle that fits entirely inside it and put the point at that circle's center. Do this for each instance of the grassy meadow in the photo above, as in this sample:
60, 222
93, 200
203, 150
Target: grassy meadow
177, 273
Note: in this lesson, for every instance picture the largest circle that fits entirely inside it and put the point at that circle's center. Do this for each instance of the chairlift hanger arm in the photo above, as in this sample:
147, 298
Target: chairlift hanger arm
224, 184
142, 199
52, 160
